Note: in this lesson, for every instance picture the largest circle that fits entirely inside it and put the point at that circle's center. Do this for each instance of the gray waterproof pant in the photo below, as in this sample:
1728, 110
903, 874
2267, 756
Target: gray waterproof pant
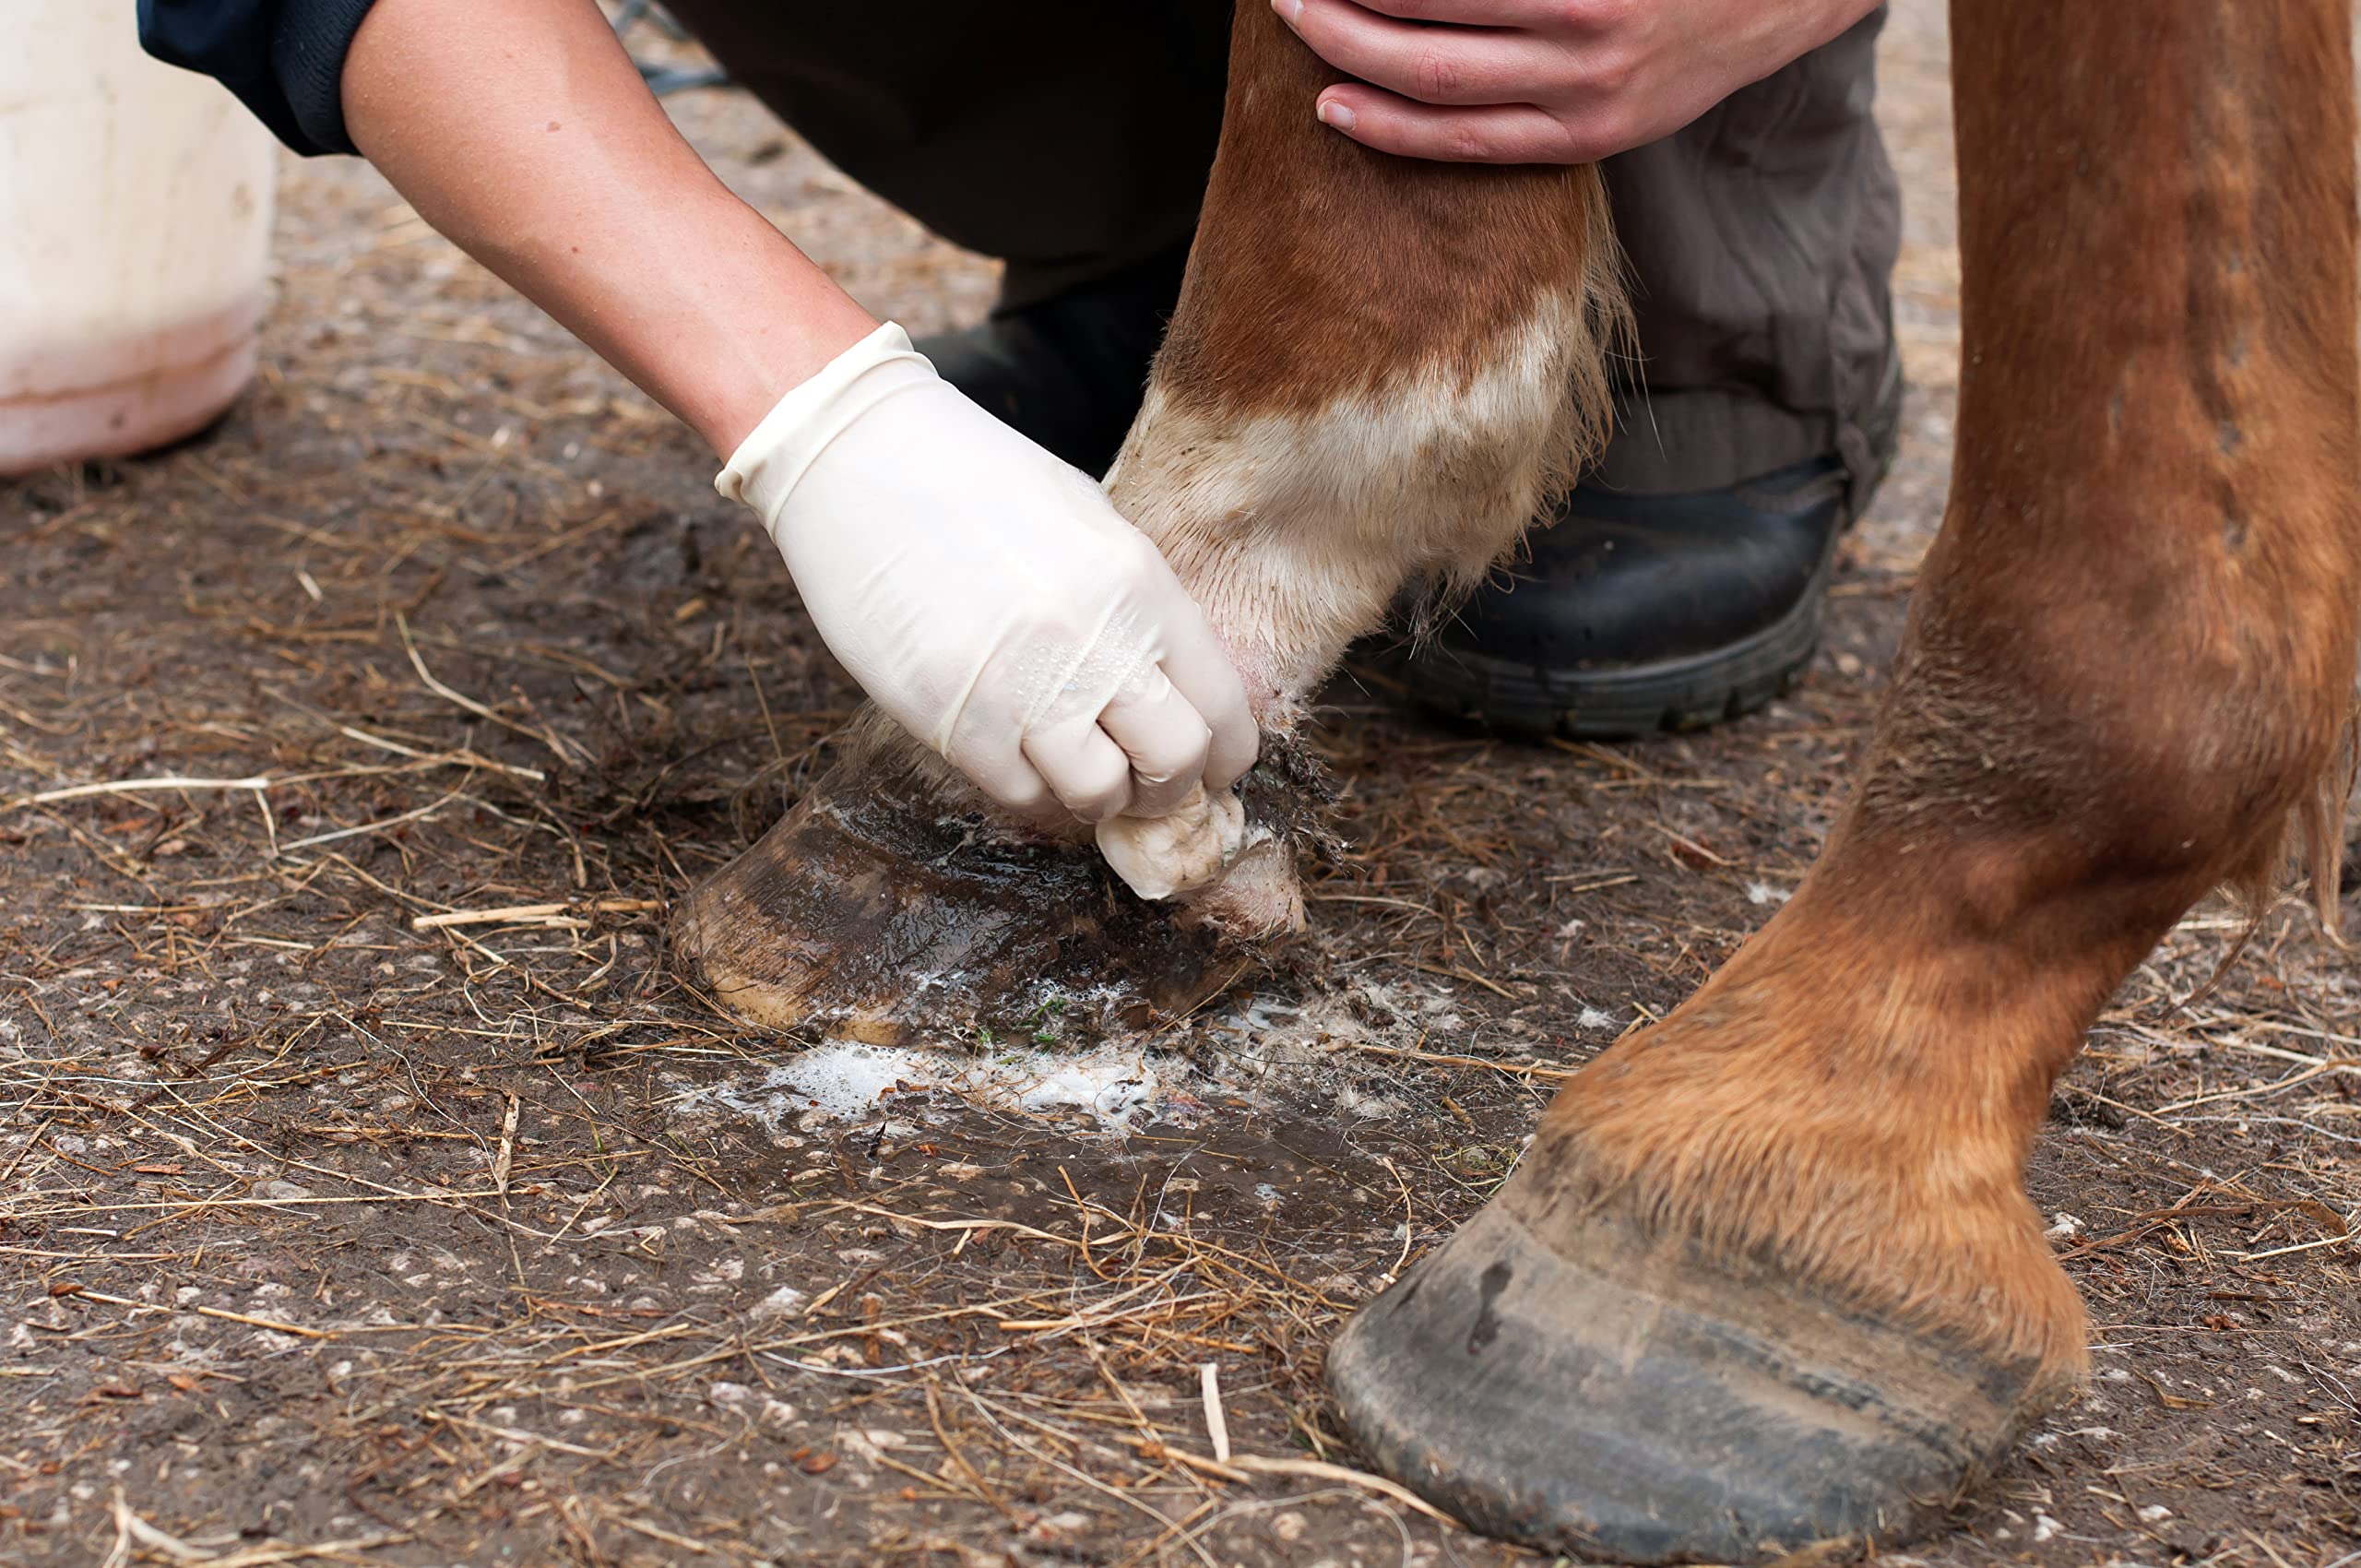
1073, 141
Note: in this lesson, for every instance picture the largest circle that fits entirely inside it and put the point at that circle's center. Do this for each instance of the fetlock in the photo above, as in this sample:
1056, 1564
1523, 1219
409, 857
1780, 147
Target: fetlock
1855, 1113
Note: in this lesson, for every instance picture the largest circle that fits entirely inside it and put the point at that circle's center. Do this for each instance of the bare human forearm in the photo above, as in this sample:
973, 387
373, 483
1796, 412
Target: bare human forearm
521, 130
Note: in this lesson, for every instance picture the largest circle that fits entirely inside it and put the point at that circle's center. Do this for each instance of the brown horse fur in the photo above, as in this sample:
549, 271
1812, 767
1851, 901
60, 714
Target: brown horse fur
2125, 677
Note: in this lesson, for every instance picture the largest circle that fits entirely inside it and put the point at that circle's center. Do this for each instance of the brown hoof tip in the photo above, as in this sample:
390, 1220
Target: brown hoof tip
873, 910
1622, 1400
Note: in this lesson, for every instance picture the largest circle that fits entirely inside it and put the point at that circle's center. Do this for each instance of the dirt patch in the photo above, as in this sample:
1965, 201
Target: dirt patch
342, 1233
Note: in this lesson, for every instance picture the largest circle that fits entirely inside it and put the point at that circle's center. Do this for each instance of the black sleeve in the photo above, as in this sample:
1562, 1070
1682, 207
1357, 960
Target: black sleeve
283, 58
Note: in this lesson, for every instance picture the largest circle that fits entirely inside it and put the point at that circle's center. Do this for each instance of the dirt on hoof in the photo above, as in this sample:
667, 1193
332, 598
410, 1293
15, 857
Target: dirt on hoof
887, 906
873, 911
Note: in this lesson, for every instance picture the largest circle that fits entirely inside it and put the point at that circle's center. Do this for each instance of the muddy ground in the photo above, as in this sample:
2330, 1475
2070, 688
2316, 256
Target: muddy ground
335, 1238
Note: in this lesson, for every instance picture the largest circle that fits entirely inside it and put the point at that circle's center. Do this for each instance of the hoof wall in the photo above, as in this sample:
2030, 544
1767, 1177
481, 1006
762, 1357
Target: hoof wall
875, 911
1629, 1402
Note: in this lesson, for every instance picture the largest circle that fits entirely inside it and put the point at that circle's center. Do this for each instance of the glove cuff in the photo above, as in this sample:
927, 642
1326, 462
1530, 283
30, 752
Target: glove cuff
774, 455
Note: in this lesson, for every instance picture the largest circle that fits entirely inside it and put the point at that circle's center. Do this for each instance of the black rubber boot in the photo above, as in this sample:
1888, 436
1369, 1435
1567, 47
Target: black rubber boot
1068, 371
1646, 612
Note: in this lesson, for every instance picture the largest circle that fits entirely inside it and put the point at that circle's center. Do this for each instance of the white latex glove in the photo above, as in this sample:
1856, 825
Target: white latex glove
986, 595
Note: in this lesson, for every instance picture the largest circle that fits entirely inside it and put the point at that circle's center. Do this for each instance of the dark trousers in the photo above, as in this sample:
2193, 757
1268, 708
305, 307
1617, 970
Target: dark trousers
1073, 141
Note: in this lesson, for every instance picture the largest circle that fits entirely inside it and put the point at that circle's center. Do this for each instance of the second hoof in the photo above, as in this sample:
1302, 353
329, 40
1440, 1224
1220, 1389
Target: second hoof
1621, 1398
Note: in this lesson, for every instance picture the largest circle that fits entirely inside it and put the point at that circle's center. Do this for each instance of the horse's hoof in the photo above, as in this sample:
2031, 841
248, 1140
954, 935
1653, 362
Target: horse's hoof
885, 908
1619, 1396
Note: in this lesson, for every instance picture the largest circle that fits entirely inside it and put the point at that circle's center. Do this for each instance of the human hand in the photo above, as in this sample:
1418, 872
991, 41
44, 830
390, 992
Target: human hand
1545, 81
987, 598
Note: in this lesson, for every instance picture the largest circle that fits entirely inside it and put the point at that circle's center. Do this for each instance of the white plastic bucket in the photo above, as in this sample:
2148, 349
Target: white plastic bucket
134, 231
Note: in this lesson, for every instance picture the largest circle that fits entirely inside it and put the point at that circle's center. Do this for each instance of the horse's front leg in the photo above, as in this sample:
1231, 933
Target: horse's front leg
1379, 371
1768, 1274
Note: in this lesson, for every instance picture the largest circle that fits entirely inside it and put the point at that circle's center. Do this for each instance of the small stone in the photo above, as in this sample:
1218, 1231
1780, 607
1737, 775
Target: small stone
785, 1302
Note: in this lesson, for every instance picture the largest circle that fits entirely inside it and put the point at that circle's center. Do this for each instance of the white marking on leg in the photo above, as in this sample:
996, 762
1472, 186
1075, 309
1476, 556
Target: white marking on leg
1295, 532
